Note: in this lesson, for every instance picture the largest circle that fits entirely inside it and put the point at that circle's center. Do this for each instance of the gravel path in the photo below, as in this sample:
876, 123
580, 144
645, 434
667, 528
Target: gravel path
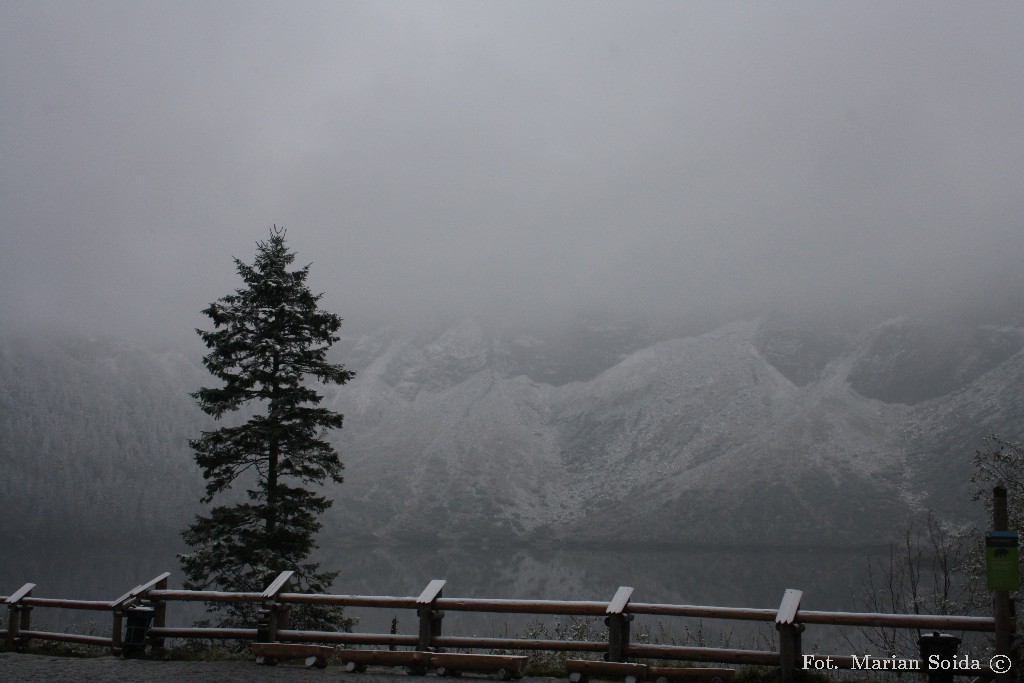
32, 668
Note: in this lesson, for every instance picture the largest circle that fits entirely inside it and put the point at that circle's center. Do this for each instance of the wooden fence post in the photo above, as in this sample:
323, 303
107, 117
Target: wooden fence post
13, 624
1002, 606
117, 608
122, 605
18, 617
430, 616
274, 615
116, 642
617, 622
789, 634
159, 611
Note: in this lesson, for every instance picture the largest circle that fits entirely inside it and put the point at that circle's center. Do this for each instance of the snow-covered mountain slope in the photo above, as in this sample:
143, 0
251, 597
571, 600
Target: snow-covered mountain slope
699, 439
758, 432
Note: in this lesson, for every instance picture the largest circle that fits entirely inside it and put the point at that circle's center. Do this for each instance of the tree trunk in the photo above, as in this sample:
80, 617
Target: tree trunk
273, 455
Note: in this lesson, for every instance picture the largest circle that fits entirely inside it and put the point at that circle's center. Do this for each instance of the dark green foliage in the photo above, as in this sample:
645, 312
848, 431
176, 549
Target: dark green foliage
268, 339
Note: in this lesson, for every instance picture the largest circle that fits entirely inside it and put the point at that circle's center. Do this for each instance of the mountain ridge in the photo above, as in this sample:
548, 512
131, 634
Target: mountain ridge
752, 432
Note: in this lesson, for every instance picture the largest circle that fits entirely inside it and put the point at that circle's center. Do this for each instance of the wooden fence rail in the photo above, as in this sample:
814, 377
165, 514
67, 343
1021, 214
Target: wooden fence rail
148, 602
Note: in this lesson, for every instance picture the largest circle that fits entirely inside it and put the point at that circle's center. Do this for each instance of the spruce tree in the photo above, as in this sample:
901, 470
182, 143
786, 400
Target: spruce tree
269, 339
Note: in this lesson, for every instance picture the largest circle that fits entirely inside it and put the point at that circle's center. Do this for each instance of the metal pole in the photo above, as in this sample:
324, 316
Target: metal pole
1002, 608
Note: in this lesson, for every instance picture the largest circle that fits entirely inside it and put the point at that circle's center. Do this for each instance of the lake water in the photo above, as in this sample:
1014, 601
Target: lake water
831, 578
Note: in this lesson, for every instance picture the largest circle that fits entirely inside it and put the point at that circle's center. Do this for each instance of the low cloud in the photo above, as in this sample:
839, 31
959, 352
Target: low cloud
518, 159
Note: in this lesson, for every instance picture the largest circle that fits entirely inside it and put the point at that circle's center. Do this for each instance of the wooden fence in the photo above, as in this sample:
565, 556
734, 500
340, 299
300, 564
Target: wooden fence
149, 601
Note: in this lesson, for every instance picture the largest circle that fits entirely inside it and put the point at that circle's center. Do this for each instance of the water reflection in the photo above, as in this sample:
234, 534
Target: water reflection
831, 579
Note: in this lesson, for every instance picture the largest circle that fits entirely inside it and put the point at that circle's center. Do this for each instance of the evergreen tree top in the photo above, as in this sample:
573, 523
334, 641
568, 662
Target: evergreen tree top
268, 334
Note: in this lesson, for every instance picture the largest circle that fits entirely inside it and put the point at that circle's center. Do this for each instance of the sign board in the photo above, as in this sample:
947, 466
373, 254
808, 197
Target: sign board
1002, 561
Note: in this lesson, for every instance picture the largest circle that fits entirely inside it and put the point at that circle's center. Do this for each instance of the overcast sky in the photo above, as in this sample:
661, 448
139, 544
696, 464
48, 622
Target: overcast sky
518, 158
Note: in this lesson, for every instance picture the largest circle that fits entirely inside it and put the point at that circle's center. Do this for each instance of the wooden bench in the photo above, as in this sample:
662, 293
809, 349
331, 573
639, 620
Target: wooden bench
270, 654
662, 674
444, 663
507, 667
582, 670
358, 660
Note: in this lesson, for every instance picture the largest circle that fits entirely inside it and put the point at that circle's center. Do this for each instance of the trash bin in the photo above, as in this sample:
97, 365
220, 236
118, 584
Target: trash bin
137, 624
939, 648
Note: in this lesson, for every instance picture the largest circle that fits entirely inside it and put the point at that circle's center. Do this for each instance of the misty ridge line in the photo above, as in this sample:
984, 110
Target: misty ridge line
533, 439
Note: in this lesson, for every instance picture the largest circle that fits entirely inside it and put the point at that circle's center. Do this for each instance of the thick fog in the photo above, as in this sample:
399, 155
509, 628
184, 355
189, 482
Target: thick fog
514, 158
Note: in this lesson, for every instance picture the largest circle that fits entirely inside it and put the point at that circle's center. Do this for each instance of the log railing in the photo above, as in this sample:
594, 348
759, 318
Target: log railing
276, 601
20, 605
